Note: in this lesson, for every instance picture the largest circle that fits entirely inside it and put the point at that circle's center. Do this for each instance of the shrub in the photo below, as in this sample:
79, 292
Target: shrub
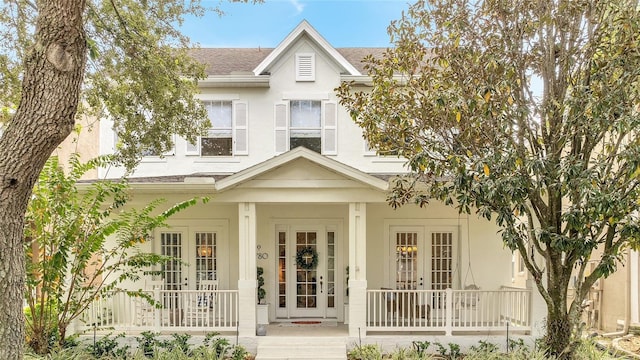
365, 352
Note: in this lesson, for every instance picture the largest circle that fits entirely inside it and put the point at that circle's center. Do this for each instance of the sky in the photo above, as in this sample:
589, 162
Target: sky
343, 23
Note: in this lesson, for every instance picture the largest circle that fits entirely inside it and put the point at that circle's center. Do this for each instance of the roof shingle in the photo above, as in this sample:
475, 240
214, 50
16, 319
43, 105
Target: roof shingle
242, 61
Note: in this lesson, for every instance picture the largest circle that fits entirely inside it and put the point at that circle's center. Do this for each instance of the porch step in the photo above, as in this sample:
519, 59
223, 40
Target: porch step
301, 348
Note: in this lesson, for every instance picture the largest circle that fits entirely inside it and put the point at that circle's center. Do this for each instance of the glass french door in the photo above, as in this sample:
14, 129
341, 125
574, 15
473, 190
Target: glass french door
171, 244
200, 251
424, 262
305, 290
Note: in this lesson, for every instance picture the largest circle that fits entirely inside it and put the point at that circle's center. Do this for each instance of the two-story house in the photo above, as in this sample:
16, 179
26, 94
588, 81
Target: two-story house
296, 191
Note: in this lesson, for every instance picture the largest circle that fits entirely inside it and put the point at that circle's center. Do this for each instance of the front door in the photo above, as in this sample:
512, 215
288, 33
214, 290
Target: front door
306, 271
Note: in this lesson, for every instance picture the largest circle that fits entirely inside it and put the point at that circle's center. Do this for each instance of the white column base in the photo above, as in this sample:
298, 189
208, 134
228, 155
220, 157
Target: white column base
357, 308
247, 295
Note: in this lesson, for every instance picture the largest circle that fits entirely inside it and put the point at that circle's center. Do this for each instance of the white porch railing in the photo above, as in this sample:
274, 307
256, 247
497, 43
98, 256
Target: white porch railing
449, 310
184, 310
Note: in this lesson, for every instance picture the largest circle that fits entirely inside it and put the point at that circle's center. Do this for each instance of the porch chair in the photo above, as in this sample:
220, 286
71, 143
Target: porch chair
200, 307
466, 306
404, 306
469, 301
144, 310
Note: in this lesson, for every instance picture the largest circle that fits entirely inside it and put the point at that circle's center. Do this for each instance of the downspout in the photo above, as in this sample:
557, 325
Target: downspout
627, 302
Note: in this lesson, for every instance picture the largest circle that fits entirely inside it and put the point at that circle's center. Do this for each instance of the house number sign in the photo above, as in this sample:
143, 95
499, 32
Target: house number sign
261, 255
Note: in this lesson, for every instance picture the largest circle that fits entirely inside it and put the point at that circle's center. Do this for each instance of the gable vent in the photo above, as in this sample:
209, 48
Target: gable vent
305, 67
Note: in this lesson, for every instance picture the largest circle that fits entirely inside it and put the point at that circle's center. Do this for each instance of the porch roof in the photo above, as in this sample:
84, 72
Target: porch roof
292, 158
298, 170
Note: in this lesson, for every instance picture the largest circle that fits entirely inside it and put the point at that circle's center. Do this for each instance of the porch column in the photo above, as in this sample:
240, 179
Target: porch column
247, 281
358, 269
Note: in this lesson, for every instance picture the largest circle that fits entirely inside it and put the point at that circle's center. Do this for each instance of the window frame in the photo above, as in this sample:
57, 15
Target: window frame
238, 130
328, 130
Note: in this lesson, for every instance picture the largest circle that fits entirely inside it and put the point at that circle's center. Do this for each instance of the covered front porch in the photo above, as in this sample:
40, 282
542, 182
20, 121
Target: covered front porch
332, 250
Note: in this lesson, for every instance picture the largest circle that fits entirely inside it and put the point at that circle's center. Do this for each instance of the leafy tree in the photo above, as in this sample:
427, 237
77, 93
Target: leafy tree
556, 167
121, 58
69, 263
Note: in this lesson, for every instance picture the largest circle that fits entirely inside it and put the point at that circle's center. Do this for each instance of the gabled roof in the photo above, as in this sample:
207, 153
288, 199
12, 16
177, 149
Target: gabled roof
296, 154
230, 61
305, 28
242, 61
247, 61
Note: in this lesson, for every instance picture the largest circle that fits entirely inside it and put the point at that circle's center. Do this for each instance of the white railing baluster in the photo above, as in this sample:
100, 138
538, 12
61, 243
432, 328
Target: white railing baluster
448, 311
218, 311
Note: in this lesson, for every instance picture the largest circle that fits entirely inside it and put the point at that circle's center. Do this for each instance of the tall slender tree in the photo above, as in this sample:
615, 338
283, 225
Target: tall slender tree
59, 58
526, 112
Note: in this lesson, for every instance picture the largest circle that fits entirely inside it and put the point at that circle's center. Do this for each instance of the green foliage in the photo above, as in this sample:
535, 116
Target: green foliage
421, 347
69, 263
139, 71
452, 352
365, 352
214, 347
150, 347
408, 354
108, 346
485, 347
516, 345
526, 113
262, 293
148, 343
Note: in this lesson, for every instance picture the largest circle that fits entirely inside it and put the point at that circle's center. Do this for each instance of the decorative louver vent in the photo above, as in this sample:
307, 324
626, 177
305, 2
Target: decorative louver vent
305, 67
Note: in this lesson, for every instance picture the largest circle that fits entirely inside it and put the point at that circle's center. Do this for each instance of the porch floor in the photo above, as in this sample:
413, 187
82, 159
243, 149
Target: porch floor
325, 328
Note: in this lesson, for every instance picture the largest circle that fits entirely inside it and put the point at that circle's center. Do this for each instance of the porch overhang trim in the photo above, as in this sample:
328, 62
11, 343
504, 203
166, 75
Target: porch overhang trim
217, 81
173, 187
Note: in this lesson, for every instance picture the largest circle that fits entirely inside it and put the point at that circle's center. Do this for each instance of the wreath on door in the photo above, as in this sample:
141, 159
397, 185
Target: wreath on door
307, 258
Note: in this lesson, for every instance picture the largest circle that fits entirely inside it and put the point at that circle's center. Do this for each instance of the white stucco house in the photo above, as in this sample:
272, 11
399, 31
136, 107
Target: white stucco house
295, 190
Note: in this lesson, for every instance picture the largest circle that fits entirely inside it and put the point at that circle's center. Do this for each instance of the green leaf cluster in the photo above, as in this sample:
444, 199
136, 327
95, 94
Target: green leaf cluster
69, 260
139, 73
526, 113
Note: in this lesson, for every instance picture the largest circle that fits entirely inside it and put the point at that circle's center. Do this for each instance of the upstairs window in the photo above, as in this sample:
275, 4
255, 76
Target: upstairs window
228, 133
305, 126
219, 140
308, 123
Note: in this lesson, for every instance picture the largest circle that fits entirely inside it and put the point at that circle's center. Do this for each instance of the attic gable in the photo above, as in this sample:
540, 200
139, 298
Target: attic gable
304, 28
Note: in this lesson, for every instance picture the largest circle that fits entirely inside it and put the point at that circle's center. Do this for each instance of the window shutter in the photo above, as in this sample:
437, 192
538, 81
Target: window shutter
305, 67
281, 127
330, 128
240, 128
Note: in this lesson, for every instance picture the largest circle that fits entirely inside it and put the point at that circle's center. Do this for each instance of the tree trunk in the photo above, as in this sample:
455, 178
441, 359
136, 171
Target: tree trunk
558, 336
53, 72
559, 340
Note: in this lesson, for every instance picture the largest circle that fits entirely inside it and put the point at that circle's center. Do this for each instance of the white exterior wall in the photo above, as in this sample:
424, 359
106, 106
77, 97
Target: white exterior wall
261, 101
